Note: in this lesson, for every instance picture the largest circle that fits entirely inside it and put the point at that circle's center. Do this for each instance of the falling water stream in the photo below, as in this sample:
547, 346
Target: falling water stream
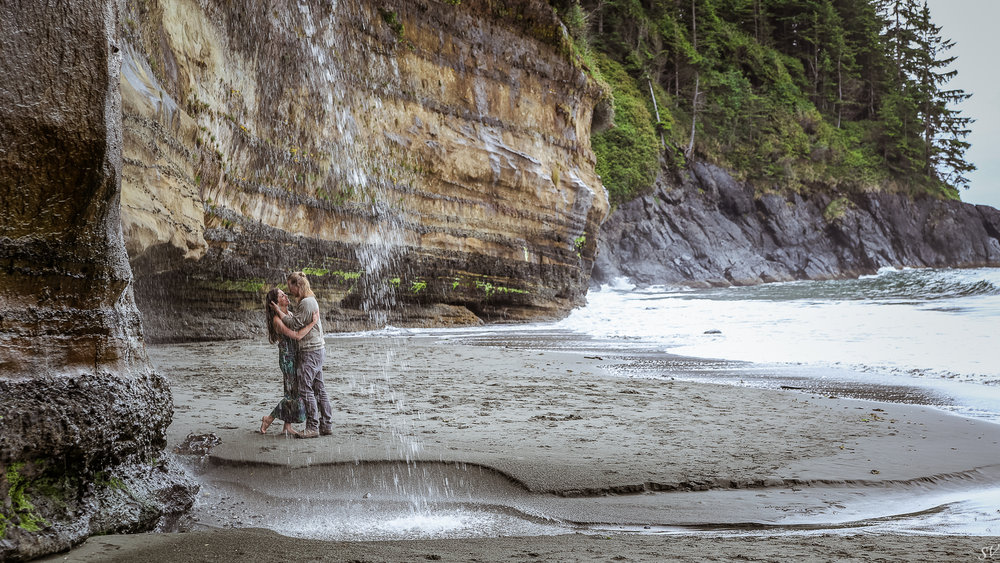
361, 161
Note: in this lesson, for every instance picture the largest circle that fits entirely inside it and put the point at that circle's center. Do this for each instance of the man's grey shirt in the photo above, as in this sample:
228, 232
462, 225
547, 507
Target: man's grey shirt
300, 316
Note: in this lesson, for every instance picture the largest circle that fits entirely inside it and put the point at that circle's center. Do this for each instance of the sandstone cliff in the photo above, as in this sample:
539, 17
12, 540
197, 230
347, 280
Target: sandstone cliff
711, 230
426, 162
82, 414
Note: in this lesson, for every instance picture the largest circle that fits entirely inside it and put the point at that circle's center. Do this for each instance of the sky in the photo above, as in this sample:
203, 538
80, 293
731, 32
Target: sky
972, 25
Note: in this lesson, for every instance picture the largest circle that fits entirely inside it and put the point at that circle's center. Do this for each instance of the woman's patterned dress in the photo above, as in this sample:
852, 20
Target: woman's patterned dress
291, 408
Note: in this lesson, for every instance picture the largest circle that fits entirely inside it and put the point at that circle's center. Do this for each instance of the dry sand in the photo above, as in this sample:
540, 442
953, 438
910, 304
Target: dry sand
265, 546
564, 435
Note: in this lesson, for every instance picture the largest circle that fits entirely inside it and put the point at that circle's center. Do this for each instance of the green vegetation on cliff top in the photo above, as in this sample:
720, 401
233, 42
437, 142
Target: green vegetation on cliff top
802, 95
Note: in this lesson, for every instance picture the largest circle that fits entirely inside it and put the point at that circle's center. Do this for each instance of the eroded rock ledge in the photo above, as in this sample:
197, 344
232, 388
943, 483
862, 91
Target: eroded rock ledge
422, 157
82, 414
713, 231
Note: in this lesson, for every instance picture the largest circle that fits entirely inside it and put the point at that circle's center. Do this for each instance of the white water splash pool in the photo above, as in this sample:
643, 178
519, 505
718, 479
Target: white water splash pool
349, 502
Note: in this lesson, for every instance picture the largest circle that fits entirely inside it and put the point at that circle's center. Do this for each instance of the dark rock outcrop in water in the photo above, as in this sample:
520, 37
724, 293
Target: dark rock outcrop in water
82, 414
712, 230
432, 156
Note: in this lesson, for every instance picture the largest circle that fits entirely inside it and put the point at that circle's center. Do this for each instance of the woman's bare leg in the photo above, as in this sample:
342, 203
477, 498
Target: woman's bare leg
264, 423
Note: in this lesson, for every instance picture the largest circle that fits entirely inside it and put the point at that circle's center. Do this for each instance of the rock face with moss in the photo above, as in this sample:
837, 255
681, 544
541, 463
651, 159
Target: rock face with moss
712, 230
427, 162
82, 415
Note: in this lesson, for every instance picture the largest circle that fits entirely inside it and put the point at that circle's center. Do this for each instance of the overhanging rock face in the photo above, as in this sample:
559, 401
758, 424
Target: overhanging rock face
83, 414
425, 162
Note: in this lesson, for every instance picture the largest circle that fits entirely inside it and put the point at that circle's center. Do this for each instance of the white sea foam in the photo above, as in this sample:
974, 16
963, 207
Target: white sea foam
923, 323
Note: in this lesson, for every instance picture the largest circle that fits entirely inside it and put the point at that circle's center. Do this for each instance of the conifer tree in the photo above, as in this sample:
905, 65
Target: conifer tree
864, 62
783, 92
944, 127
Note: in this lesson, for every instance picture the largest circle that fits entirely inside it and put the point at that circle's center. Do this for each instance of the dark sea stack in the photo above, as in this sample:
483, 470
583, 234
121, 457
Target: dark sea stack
711, 230
82, 415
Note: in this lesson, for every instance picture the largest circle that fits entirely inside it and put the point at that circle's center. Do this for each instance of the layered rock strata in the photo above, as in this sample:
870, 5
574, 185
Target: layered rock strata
426, 162
82, 414
711, 230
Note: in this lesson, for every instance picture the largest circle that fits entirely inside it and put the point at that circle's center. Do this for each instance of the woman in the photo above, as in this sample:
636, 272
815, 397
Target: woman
290, 409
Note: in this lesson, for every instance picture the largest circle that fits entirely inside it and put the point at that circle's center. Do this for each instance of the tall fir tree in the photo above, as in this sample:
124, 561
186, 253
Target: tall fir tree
786, 93
945, 129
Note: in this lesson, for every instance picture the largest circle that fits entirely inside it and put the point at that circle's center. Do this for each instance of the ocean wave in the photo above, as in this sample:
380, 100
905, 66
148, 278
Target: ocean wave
889, 285
929, 285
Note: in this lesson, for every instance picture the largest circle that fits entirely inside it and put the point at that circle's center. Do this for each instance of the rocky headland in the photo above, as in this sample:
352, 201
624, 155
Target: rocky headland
708, 229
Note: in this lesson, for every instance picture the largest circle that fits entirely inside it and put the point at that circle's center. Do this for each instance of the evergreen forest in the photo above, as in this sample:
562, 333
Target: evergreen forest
789, 95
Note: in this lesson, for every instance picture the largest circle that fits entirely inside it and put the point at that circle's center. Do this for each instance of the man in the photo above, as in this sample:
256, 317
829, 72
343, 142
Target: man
312, 352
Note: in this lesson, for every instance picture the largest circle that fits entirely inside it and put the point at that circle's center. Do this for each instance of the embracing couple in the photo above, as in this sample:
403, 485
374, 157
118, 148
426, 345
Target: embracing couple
301, 351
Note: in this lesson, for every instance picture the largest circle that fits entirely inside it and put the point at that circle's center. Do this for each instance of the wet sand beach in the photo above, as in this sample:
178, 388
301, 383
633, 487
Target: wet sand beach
439, 445
265, 546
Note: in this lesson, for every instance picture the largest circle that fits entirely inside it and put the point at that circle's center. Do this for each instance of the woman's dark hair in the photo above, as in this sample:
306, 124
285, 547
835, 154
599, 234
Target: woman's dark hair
272, 297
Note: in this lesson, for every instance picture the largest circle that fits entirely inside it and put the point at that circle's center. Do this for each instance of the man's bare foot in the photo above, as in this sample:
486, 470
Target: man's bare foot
264, 423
